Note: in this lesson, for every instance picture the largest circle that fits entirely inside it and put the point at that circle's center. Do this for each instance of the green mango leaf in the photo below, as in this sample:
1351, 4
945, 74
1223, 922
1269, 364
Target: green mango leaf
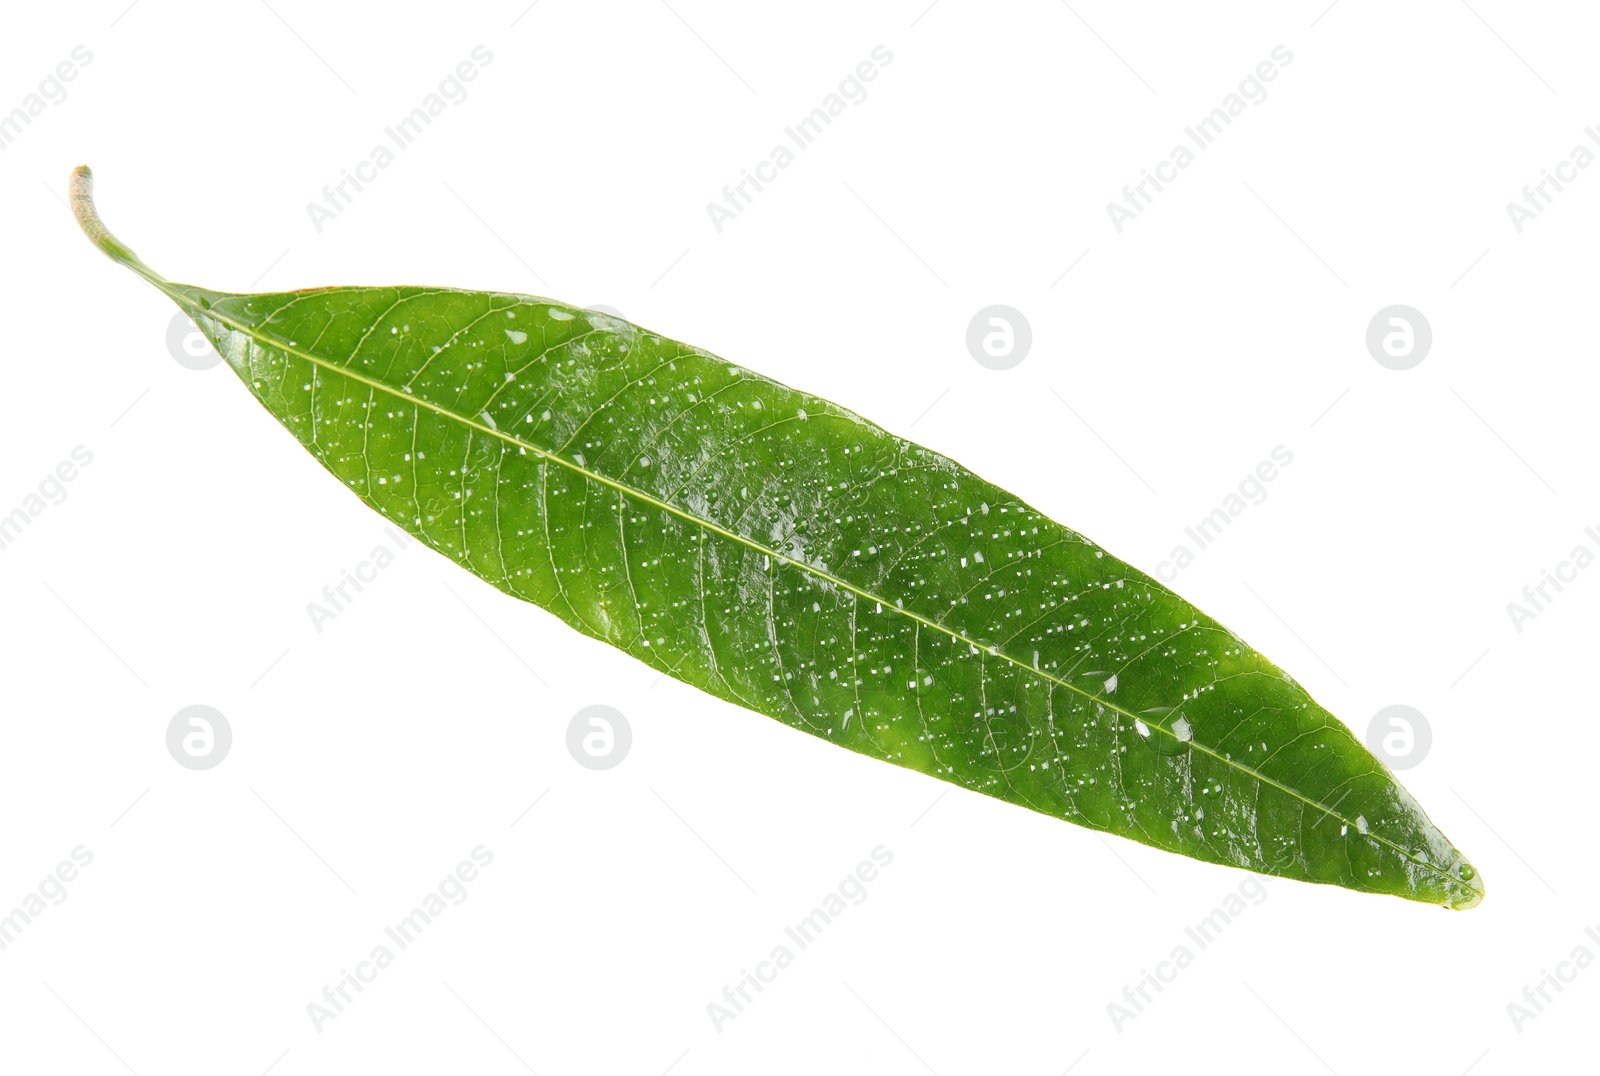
777, 551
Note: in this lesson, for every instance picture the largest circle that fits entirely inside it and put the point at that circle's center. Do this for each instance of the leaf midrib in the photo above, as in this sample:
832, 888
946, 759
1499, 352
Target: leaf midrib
627, 490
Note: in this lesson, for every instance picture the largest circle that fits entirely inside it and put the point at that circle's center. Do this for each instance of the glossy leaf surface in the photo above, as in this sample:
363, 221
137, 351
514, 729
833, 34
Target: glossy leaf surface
777, 551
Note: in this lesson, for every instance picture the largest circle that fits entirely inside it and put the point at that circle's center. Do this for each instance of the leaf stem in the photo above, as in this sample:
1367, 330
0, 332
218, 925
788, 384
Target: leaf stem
80, 192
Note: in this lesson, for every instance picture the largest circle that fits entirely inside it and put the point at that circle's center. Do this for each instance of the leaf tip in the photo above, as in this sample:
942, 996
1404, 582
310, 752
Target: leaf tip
1472, 891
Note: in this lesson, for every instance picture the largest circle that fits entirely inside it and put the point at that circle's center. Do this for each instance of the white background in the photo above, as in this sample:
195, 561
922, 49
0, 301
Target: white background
1228, 319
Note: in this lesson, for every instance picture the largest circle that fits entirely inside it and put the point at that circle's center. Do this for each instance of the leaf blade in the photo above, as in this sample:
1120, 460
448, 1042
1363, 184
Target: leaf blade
780, 552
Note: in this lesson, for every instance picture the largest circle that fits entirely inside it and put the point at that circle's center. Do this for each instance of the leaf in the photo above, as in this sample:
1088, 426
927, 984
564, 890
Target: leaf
777, 551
